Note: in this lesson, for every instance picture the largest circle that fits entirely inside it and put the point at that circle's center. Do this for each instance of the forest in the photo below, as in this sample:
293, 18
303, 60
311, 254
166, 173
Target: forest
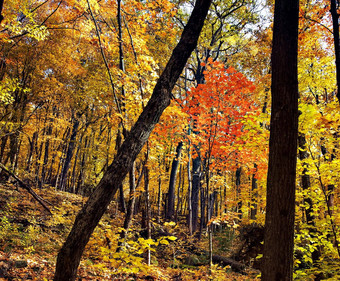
169, 140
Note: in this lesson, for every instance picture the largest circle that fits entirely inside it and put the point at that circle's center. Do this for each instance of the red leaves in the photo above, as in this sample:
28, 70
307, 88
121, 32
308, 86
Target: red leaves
218, 109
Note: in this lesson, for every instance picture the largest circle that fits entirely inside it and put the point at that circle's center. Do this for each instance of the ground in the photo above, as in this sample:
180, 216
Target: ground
30, 239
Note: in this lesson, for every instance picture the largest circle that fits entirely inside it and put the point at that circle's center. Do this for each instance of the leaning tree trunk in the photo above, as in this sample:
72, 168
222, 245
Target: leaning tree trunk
89, 216
279, 224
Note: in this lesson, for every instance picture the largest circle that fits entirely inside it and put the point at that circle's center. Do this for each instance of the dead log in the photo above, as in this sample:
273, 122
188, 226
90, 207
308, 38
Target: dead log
42, 201
235, 265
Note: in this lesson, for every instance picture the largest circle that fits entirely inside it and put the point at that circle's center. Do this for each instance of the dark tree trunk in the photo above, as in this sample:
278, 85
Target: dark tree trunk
147, 210
31, 150
172, 184
69, 153
159, 199
196, 179
89, 216
203, 200
14, 140
122, 206
130, 207
131, 203
253, 209
80, 181
3, 145
280, 209
1, 5
335, 19
179, 192
72, 186
238, 192
305, 184
46, 154
63, 147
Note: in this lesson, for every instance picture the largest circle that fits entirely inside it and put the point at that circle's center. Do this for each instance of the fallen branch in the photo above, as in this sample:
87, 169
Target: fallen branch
235, 265
29, 189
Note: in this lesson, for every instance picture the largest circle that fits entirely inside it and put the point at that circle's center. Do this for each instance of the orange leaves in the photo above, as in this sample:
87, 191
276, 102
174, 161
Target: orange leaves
217, 110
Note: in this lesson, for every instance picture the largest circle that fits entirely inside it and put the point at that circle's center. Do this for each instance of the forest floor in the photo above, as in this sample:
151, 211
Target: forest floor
30, 239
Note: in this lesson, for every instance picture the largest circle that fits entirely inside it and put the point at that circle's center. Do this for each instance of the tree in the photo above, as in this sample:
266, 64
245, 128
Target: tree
335, 21
170, 212
280, 210
89, 216
1, 5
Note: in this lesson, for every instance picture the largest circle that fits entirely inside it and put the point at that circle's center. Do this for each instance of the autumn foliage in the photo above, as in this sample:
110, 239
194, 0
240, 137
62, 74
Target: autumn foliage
66, 105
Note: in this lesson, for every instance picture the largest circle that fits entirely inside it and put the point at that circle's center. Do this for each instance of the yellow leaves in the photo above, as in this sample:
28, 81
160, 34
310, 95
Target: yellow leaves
169, 223
26, 24
309, 113
7, 88
94, 4
164, 242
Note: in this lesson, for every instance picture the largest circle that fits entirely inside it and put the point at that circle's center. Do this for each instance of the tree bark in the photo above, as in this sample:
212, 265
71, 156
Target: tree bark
1, 5
254, 195
195, 188
280, 210
89, 216
69, 153
172, 184
335, 20
238, 192
147, 210
46, 154
306, 184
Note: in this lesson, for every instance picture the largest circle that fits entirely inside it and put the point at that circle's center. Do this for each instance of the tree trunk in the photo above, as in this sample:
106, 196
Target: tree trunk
280, 209
254, 195
179, 187
172, 184
238, 192
31, 150
335, 20
189, 193
69, 153
3, 145
63, 147
147, 210
80, 180
159, 199
130, 208
131, 204
1, 5
196, 179
89, 216
46, 154
305, 184
204, 198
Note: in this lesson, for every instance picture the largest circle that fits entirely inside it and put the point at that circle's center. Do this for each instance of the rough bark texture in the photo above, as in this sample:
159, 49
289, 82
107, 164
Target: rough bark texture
279, 226
89, 216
